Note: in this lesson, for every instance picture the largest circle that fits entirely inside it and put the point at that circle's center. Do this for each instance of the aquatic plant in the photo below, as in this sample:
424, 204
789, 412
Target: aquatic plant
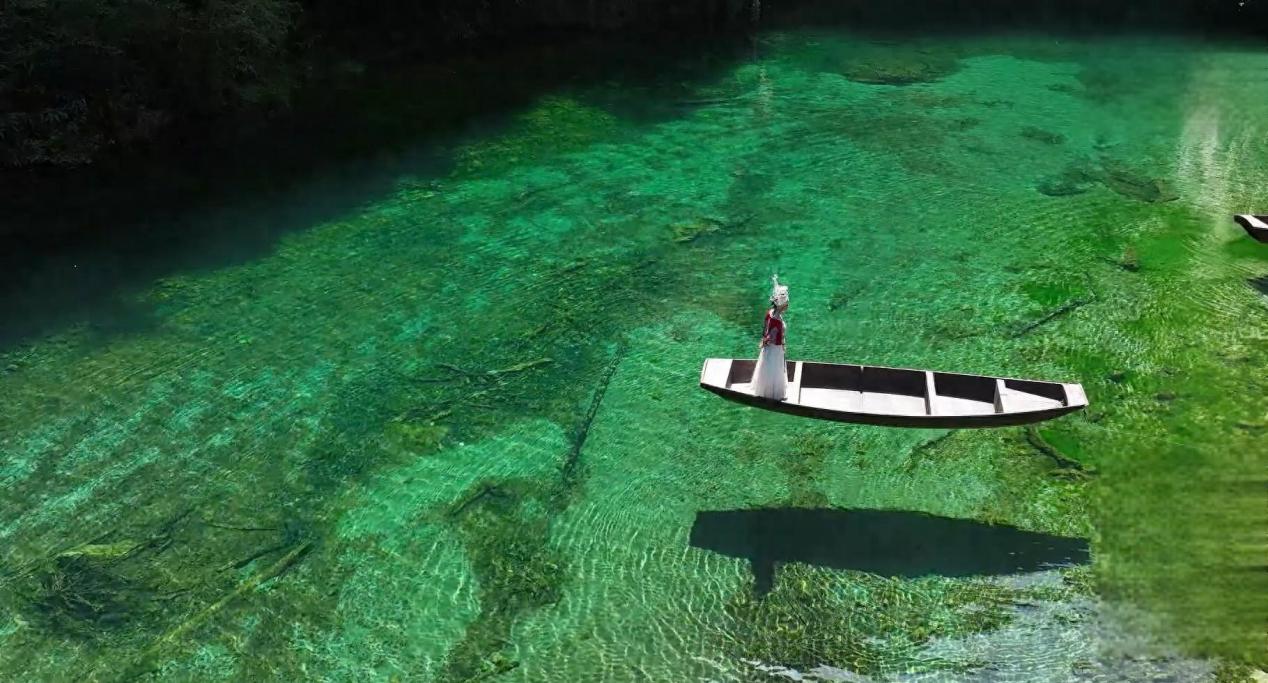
857, 621
554, 125
415, 438
802, 465
506, 532
1235, 672
690, 231
1040, 135
1076, 178
1132, 183
84, 596
146, 593
925, 452
1080, 176
1066, 465
111, 586
1130, 260
899, 67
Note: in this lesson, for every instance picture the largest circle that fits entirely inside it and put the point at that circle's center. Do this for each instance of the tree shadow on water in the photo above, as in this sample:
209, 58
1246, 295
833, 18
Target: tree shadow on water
895, 543
78, 246
50, 282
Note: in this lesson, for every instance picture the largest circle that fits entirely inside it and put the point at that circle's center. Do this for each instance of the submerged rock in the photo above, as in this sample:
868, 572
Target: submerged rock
690, 231
1080, 177
1136, 185
1104, 144
556, 125
1061, 187
899, 67
1075, 179
693, 229
1041, 135
1130, 261
924, 99
415, 437
1101, 84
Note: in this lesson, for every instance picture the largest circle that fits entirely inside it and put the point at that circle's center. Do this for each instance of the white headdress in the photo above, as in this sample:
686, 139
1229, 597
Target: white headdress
778, 292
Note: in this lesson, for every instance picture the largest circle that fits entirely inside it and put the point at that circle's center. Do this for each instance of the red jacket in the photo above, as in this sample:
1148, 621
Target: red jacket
774, 333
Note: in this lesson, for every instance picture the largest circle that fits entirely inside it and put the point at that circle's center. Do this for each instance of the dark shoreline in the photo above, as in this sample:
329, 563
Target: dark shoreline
353, 113
102, 231
526, 49
1201, 17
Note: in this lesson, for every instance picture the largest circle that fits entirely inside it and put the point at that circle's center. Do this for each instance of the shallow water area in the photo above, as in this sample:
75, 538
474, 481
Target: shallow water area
450, 429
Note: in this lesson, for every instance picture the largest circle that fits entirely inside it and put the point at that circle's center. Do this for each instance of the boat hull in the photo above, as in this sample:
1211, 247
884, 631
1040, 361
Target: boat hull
900, 387
1255, 226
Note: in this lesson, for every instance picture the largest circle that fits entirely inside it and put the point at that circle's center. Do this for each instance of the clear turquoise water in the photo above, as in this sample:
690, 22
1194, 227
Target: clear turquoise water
452, 431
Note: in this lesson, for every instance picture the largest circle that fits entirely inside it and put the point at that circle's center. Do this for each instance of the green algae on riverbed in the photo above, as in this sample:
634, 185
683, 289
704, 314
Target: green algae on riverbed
860, 622
474, 393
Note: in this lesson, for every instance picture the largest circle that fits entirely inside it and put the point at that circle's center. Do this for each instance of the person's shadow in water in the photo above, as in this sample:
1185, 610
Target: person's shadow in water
886, 542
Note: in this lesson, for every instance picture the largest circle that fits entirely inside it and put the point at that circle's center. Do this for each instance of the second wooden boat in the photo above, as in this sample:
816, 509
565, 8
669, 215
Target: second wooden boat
898, 397
1256, 226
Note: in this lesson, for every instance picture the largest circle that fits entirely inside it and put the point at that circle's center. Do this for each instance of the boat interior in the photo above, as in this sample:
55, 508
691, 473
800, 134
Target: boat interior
896, 391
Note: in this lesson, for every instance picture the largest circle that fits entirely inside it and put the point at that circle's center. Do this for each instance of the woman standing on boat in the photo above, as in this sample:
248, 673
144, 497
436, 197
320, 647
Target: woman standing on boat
770, 379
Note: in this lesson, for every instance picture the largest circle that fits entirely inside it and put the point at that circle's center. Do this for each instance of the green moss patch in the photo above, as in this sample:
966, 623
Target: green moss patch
1138, 184
1040, 135
856, 621
556, 125
898, 67
506, 530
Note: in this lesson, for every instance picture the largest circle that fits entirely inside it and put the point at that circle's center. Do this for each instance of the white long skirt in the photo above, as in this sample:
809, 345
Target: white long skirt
770, 379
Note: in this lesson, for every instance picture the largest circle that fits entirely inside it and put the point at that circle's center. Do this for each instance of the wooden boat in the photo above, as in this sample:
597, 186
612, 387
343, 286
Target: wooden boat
897, 397
1256, 226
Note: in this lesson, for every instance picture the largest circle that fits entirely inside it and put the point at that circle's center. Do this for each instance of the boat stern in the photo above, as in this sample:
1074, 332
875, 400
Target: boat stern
1255, 226
716, 373
1075, 396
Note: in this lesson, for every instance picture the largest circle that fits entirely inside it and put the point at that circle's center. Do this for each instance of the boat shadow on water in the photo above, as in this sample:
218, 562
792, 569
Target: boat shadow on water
895, 543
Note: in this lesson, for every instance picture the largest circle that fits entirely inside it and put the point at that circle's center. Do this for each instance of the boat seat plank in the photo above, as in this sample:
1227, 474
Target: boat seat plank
794, 385
931, 395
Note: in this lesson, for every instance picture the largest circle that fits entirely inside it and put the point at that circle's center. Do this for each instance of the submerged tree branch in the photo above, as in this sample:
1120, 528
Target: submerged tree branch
146, 661
583, 429
1061, 310
1066, 465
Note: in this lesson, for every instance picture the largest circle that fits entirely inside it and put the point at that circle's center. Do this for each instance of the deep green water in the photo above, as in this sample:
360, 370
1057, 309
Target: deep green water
450, 430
